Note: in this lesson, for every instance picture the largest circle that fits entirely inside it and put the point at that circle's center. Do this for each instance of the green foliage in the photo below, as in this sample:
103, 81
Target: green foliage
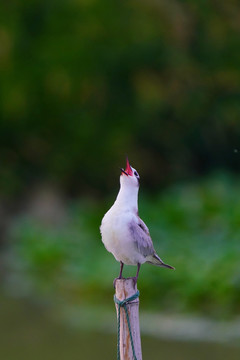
195, 227
85, 82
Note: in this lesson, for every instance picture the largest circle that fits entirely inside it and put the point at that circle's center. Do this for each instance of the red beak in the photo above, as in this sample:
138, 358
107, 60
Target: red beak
128, 169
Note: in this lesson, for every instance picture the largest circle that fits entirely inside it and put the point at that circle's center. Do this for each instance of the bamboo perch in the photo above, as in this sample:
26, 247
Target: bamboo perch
125, 288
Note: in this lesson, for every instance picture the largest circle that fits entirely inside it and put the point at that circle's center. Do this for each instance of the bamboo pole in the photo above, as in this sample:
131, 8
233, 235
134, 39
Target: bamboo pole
125, 288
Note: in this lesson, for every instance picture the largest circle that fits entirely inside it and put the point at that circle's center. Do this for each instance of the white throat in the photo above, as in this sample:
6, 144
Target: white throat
128, 197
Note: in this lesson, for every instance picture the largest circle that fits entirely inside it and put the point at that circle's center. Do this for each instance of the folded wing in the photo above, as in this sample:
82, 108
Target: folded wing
141, 237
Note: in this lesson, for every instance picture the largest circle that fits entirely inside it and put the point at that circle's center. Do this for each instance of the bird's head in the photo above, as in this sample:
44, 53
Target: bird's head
129, 176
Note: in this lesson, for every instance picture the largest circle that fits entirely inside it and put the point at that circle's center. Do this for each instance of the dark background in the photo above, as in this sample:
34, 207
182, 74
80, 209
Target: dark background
83, 83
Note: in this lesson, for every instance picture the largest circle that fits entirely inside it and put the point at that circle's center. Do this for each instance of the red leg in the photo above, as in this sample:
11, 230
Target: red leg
135, 278
121, 269
120, 274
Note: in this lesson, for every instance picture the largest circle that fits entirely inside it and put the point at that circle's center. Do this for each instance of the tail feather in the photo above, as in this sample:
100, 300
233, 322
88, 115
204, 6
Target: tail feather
156, 260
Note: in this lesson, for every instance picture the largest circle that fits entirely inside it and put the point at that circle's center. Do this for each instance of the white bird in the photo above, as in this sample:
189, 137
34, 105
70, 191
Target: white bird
124, 234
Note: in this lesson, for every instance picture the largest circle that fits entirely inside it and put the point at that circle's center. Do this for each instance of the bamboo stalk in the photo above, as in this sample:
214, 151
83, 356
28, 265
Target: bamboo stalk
125, 288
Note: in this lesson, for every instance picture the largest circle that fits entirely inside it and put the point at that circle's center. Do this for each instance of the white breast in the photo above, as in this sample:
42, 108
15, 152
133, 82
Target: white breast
117, 237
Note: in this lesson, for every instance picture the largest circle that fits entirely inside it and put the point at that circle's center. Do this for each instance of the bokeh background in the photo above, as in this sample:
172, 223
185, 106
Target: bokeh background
83, 84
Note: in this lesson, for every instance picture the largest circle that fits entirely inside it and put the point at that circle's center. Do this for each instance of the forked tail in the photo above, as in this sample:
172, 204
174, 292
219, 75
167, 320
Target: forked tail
156, 260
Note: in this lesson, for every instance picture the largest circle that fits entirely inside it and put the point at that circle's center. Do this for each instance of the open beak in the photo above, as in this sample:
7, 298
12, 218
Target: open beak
123, 171
128, 170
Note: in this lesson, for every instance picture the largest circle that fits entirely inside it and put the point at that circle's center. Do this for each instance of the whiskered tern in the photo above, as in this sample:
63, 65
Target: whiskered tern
124, 234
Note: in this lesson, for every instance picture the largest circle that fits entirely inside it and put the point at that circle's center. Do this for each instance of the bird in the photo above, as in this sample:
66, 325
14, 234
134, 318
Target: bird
124, 234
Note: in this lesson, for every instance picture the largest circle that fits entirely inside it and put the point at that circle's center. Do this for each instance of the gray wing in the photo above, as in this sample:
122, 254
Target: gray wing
141, 237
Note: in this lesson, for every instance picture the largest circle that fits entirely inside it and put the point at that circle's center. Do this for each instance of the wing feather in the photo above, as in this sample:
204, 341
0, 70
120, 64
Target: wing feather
141, 237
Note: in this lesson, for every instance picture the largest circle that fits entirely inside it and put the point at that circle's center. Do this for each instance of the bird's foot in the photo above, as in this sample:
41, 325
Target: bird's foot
135, 280
114, 281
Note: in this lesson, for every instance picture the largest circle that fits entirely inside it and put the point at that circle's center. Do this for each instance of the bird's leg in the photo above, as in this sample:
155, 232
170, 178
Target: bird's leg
120, 274
135, 278
121, 269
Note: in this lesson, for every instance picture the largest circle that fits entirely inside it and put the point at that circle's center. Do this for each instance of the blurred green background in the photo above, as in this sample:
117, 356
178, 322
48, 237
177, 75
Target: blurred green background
83, 83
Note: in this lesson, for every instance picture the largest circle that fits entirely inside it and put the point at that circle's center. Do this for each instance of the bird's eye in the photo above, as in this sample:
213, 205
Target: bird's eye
136, 174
